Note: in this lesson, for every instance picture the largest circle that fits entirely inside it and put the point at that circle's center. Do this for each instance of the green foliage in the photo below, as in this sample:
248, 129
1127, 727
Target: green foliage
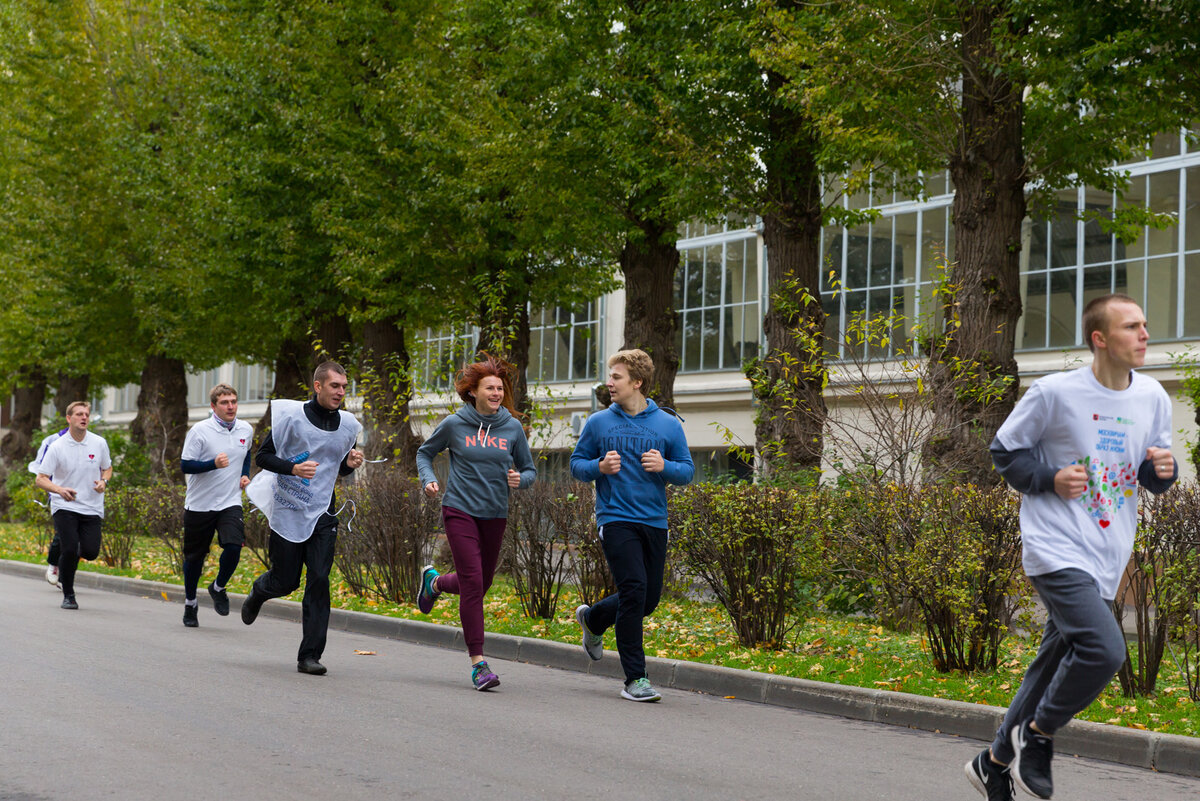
1172, 531
947, 555
1188, 368
154, 510
757, 548
388, 536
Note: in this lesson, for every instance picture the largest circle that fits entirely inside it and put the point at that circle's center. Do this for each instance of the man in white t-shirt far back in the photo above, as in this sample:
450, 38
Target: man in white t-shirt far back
75, 471
1077, 445
54, 551
216, 466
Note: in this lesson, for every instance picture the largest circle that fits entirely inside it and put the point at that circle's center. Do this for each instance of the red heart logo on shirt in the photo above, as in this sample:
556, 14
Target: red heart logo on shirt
91, 456
242, 441
1104, 524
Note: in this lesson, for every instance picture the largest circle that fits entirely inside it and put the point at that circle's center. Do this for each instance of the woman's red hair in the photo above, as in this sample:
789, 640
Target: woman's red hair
468, 378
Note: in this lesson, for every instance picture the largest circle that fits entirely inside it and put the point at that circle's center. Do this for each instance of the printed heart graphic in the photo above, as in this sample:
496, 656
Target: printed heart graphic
242, 441
91, 456
1104, 524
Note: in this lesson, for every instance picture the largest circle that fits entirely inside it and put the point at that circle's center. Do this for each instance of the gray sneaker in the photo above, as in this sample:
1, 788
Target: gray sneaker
592, 643
640, 690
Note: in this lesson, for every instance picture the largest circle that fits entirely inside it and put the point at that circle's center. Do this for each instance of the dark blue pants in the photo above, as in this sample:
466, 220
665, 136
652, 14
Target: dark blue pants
637, 556
1082, 648
315, 557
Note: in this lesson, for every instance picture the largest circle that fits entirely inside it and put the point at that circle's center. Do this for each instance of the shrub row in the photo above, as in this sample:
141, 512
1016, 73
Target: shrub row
941, 559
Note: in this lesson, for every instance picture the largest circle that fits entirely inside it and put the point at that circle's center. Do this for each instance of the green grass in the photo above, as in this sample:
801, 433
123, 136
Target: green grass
826, 648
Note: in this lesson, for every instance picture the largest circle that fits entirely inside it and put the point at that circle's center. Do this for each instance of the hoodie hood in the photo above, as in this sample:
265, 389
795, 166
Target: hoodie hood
651, 408
469, 413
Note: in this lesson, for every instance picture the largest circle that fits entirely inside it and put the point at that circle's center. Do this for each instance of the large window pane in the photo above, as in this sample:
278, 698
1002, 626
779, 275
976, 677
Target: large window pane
693, 330
1191, 295
1191, 212
933, 242
1033, 317
713, 267
1062, 308
693, 278
1161, 280
1164, 199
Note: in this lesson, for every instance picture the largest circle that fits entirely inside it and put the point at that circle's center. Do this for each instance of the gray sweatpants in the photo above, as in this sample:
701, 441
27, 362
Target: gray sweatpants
1082, 648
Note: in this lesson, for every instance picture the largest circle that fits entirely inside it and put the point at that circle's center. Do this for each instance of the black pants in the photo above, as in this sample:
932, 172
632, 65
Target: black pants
198, 529
637, 556
315, 557
79, 538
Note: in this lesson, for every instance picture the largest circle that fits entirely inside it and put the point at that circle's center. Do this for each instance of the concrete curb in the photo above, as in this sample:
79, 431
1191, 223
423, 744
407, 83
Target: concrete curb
1168, 753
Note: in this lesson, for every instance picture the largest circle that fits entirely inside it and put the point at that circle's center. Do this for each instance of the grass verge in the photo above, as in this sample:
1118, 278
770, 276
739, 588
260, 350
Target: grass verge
839, 650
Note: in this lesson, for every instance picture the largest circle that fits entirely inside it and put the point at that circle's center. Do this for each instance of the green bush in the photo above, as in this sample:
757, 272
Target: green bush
757, 548
947, 554
1175, 518
386, 536
154, 510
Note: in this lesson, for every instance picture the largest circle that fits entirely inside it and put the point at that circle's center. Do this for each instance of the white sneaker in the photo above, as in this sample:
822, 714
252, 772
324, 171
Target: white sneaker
52, 576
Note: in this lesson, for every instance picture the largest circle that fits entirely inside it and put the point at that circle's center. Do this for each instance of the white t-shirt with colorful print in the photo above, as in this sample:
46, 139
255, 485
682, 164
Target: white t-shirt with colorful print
1071, 418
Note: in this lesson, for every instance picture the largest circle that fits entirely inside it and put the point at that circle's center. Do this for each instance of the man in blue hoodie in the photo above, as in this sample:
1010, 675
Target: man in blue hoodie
632, 450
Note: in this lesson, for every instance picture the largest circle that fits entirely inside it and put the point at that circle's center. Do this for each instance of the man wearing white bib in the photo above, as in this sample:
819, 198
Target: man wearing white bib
309, 446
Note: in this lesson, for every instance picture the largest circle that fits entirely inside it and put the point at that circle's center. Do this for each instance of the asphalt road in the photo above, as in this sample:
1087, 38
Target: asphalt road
119, 700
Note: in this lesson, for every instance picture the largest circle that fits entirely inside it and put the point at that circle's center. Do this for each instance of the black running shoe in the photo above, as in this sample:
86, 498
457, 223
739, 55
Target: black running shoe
1030, 767
220, 600
191, 616
990, 779
69, 602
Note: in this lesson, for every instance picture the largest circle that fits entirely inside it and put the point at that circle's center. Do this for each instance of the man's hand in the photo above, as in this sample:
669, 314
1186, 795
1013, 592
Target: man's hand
354, 459
244, 482
611, 463
1071, 481
652, 461
222, 461
1164, 462
514, 478
66, 493
100, 485
431, 489
305, 469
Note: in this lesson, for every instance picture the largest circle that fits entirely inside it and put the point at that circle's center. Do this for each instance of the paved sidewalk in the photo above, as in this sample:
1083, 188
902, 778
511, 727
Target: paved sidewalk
1162, 752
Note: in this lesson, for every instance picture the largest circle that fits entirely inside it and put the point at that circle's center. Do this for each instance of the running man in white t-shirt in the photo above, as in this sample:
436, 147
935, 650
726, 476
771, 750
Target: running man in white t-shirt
75, 471
1076, 446
216, 465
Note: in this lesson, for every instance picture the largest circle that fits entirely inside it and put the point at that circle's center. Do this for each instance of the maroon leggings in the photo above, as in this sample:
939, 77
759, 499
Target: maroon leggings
475, 543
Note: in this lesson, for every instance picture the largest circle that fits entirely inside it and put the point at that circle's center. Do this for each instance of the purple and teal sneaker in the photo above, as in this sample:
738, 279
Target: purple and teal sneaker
426, 595
482, 676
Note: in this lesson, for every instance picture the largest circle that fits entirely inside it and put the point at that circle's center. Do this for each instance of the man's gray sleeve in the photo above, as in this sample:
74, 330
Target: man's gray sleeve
1022, 470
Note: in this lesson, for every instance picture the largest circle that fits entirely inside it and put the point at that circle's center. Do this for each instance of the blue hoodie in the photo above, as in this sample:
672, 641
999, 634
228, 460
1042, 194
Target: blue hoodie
632, 495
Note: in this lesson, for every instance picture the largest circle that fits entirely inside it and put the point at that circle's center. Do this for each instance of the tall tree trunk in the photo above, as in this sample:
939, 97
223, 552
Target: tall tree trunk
974, 369
71, 388
789, 381
294, 366
651, 320
29, 396
387, 392
333, 340
162, 417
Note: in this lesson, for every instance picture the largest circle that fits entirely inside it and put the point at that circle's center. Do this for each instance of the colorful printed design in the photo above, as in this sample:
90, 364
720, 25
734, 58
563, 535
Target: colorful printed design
1109, 486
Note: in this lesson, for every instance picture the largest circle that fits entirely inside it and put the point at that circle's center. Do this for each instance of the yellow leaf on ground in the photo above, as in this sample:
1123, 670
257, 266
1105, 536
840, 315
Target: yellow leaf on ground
363, 653
166, 597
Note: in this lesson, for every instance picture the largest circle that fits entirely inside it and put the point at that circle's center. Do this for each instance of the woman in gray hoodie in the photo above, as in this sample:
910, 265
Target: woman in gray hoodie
489, 457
